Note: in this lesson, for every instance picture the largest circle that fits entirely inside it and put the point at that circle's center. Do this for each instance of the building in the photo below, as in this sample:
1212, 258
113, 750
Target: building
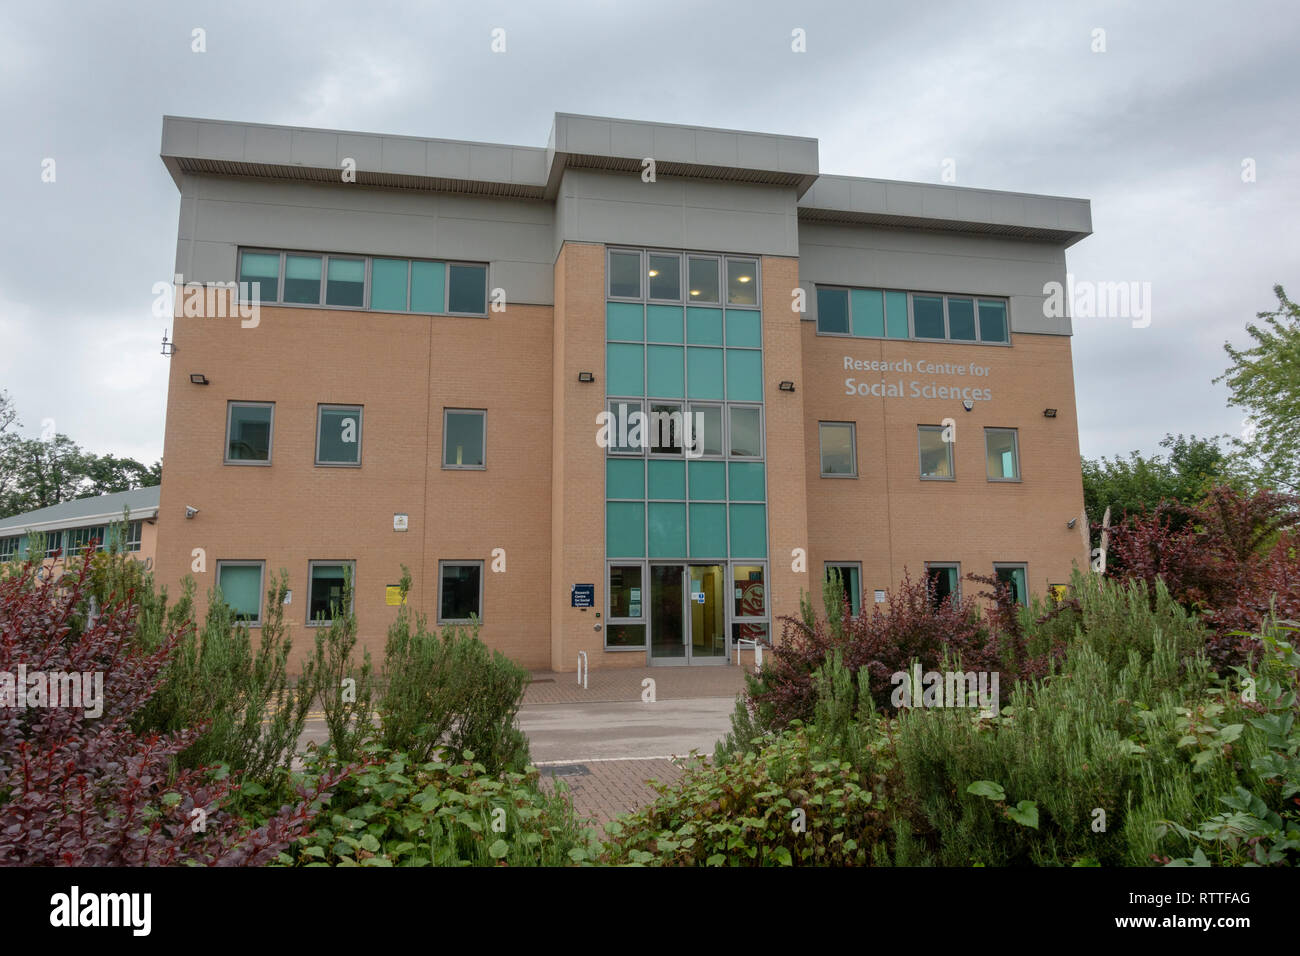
71, 528
864, 374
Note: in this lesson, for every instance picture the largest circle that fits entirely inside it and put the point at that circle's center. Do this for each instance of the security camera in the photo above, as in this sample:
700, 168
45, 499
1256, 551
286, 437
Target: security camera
967, 404
190, 512
1072, 522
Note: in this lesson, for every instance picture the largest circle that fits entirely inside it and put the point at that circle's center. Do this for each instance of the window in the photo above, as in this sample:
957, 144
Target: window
626, 624
8, 548
466, 289
850, 573
346, 283
328, 584
742, 281
49, 542
1014, 576
131, 542
702, 279
248, 432
338, 434
1002, 453
389, 284
460, 591
750, 613
78, 540
838, 449
706, 431
302, 279
624, 274
936, 454
746, 431
878, 313
261, 272
943, 580
241, 588
665, 436
665, 275
626, 428
463, 438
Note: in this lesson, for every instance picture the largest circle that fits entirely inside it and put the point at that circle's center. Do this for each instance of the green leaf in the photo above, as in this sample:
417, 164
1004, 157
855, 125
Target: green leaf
499, 849
1025, 813
782, 856
987, 788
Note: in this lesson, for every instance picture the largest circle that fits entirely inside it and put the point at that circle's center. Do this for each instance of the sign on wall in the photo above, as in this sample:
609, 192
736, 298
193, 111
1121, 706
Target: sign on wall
583, 595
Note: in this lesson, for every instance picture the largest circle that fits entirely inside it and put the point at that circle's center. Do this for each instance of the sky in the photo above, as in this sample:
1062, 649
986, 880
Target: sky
1178, 121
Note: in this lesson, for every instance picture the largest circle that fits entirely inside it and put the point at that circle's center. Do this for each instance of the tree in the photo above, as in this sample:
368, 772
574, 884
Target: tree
1265, 381
1137, 485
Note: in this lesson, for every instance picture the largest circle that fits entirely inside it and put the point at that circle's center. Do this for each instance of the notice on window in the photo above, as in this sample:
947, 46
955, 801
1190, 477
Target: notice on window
393, 595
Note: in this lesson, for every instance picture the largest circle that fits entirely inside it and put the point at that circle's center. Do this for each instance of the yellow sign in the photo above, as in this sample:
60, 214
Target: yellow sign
393, 595
1059, 591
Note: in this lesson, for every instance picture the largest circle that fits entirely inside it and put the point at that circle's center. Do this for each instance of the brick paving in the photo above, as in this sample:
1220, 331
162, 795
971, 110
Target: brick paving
624, 684
611, 788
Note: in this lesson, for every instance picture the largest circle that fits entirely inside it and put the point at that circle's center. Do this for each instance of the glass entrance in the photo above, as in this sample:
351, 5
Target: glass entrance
688, 616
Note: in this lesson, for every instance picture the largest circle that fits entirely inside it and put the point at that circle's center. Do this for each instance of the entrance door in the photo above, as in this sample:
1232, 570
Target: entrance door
688, 616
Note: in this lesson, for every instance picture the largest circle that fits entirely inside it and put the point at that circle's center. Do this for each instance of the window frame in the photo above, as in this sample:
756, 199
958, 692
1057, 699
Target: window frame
346, 564
855, 565
8, 553
680, 256
974, 297
446, 291
853, 449
1015, 453
643, 621
952, 458
721, 406
461, 563
643, 288
261, 584
762, 432
955, 565
231, 404
279, 276
321, 408
482, 412
716, 259
1012, 565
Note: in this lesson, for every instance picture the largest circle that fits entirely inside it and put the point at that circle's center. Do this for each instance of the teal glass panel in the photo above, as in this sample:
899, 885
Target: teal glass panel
747, 482
833, 311
749, 531
345, 282
708, 480
993, 321
624, 478
744, 329
261, 270
624, 320
388, 284
704, 326
664, 366
868, 312
667, 530
467, 289
708, 531
427, 280
241, 588
625, 529
896, 314
624, 370
704, 373
961, 320
744, 376
663, 323
302, 279
927, 316
667, 479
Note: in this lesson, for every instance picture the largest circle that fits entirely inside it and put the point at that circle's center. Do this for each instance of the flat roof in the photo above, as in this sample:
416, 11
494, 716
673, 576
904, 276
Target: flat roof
141, 502
224, 148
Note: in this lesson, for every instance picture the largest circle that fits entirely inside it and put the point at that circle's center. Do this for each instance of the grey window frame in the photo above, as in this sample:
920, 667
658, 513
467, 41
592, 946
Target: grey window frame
1024, 566
956, 565
482, 412
848, 312
723, 416
459, 563
717, 259
732, 618
640, 404
311, 564
681, 274
1015, 451
762, 432
853, 447
446, 291
231, 404
643, 620
327, 257
952, 459
975, 298
644, 288
133, 536
9, 546
261, 584
758, 281
279, 276
856, 565
321, 407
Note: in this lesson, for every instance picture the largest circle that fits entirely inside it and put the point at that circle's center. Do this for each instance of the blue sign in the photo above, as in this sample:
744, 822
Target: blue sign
583, 595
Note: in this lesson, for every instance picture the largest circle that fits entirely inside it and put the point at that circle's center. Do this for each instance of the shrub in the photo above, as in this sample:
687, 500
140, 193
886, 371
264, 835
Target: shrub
79, 789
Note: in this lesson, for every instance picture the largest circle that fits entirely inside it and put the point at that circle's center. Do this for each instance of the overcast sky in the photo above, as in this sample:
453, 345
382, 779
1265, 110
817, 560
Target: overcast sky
1154, 131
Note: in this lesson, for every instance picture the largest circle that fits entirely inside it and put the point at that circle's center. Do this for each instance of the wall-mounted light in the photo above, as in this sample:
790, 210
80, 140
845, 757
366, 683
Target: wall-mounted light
967, 404
1049, 413
787, 386
586, 377
198, 378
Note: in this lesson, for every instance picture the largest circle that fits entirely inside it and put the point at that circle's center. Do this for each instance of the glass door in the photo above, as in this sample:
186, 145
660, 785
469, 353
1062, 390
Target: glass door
667, 618
708, 614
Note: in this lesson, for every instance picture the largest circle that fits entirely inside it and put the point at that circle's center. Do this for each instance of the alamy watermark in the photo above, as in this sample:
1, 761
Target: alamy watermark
661, 429
1087, 299
28, 689
946, 689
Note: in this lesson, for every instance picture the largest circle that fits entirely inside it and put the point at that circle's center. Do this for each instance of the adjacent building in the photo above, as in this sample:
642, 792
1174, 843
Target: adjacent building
126, 520
628, 393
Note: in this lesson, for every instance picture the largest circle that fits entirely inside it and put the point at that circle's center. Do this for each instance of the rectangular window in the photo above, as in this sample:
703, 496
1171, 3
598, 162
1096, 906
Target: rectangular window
665, 425
626, 428
241, 588
936, 454
927, 317
346, 282
79, 540
742, 281
249, 428
838, 442
1002, 453
134, 530
627, 606
261, 272
702, 279
388, 284
746, 431
961, 320
993, 321
851, 579
302, 275
624, 274
1015, 577
8, 548
832, 311
466, 289
50, 542
665, 275
428, 280
338, 434
327, 590
750, 611
460, 591
706, 431
943, 580
464, 435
